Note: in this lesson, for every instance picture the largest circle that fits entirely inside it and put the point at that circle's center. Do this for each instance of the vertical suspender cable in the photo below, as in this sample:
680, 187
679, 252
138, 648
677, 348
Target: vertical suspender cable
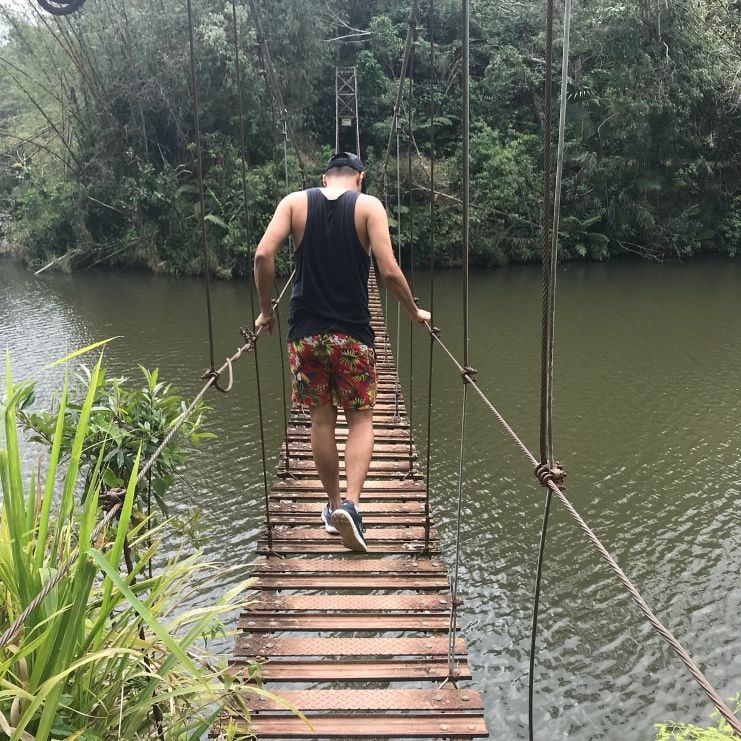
397, 416
557, 215
432, 269
412, 256
201, 198
453, 627
550, 258
545, 225
261, 420
277, 308
357, 112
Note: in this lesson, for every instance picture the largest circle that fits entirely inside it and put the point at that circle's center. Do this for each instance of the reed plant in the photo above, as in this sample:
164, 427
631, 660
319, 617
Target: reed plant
111, 652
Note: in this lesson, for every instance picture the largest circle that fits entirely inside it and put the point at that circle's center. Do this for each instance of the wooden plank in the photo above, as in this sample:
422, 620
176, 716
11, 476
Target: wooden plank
342, 622
369, 520
392, 582
369, 726
270, 604
371, 485
301, 533
359, 564
358, 700
289, 548
345, 647
392, 509
357, 671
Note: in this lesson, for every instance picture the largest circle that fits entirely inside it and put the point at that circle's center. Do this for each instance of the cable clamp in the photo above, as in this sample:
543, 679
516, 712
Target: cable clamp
249, 337
274, 303
468, 375
547, 475
456, 602
434, 331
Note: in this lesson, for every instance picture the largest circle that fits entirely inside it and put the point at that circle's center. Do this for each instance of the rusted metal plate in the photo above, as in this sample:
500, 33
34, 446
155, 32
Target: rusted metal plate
367, 670
270, 604
372, 727
359, 564
337, 701
342, 622
343, 647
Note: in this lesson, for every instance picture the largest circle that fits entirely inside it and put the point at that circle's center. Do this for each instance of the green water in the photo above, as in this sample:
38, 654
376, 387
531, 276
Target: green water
647, 423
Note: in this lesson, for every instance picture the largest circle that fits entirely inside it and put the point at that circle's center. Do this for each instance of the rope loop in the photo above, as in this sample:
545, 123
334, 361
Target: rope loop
61, 7
468, 374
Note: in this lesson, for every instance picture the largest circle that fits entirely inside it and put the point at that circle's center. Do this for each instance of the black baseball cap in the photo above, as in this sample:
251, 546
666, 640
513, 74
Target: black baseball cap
345, 159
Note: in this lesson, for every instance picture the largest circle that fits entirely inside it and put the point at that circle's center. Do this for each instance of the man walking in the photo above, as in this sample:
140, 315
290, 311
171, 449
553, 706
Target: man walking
330, 339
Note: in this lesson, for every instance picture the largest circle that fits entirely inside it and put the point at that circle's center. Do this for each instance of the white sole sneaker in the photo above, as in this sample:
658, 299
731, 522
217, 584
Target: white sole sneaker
351, 538
328, 526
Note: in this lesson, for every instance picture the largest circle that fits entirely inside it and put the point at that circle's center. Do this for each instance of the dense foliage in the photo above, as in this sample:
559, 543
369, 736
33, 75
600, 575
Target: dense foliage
114, 650
98, 130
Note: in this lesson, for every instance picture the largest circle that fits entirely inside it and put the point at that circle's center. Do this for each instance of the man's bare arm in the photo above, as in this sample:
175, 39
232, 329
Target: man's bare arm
391, 274
264, 267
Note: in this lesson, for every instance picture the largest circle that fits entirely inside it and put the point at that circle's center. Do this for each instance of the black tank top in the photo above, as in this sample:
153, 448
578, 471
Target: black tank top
330, 290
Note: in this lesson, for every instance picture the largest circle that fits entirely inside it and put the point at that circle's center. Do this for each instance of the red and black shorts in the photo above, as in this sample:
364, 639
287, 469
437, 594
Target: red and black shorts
333, 368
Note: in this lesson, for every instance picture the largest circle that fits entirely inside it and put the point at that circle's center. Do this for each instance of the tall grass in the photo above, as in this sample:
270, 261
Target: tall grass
111, 652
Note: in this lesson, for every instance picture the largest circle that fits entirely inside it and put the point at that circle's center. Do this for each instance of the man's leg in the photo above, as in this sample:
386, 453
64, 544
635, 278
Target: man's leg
324, 448
358, 451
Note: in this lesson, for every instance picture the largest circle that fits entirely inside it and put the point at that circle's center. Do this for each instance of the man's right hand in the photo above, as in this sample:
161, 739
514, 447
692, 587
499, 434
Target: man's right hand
265, 320
422, 316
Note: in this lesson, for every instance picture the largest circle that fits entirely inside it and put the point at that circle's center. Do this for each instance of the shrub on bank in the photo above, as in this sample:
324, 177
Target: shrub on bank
114, 650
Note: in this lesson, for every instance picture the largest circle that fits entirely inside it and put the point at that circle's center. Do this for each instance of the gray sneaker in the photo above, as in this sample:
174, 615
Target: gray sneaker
327, 520
348, 521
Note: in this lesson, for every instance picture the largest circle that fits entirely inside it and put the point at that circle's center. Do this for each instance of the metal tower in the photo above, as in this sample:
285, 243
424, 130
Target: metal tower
346, 110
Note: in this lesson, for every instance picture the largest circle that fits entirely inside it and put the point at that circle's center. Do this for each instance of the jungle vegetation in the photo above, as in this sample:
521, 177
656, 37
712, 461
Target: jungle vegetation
97, 135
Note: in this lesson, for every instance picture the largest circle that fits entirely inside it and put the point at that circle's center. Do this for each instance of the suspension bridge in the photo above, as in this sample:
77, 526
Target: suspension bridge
359, 630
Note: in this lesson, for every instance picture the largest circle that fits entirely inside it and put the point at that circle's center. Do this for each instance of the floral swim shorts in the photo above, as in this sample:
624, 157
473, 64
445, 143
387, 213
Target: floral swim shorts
332, 368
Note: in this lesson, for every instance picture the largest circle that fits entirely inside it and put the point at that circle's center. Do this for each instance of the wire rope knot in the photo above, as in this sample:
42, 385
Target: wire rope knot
112, 498
214, 376
547, 475
468, 374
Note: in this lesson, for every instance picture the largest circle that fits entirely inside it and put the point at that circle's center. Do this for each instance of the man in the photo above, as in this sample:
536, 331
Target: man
330, 340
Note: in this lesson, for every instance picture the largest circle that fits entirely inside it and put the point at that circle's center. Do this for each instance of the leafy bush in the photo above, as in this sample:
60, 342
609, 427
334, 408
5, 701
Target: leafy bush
688, 732
124, 424
109, 653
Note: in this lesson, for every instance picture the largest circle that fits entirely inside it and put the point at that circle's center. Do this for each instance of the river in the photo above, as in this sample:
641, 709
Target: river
647, 422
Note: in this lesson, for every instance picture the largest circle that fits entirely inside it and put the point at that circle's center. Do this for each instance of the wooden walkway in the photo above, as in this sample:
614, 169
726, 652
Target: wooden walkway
368, 633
